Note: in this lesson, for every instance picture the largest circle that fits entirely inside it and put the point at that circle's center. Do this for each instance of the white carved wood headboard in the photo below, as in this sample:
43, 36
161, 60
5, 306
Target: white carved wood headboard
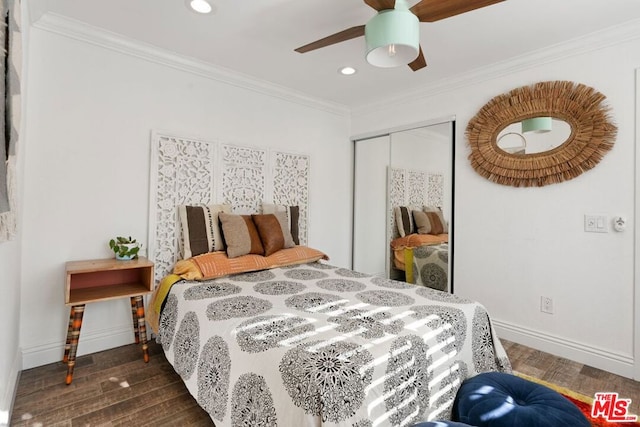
193, 171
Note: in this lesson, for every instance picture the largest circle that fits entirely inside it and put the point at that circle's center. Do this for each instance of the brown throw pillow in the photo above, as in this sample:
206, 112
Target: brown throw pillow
438, 211
274, 232
240, 235
428, 222
291, 213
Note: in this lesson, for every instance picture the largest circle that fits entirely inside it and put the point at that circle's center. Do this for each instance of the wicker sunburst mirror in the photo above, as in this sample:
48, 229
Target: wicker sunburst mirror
582, 107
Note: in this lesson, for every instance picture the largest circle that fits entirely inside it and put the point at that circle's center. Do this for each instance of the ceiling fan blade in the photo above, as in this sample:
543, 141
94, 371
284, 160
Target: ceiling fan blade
348, 34
419, 62
381, 4
435, 10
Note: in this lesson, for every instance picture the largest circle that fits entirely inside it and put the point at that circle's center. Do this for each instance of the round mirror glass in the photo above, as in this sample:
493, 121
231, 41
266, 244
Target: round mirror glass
531, 136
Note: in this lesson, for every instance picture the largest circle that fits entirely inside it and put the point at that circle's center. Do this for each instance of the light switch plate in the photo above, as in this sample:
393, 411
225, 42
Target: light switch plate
596, 224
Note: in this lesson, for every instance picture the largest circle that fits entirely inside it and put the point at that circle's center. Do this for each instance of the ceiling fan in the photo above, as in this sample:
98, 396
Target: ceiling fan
393, 34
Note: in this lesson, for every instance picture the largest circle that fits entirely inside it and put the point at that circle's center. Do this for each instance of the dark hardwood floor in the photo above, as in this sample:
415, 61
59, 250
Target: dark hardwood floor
109, 388
575, 376
115, 388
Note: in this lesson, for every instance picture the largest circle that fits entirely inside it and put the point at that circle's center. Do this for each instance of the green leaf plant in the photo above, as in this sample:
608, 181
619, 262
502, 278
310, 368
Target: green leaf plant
121, 247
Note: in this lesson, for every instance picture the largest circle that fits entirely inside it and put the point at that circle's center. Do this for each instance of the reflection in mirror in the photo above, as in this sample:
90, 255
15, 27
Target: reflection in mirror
536, 135
419, 172
423, 154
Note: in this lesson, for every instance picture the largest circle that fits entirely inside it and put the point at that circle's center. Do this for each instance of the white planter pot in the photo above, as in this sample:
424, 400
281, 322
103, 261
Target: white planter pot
129, 246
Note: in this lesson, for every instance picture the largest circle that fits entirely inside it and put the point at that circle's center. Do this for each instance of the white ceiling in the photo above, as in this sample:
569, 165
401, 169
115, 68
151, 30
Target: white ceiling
258, 38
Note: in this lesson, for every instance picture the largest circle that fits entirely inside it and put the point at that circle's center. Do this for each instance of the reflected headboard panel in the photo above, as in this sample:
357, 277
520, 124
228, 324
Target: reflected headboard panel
412, 188
193, 171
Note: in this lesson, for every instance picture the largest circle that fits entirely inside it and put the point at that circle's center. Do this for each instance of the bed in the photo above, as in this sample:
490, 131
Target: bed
280, 336
313, 344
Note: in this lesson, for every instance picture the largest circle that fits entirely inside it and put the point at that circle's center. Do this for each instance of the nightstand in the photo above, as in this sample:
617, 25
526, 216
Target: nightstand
102, 280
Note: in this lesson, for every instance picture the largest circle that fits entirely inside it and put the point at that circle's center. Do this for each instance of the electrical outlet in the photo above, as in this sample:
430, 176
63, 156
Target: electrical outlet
546, 305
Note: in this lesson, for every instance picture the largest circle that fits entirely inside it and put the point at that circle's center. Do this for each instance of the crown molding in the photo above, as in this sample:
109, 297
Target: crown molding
81, 31
574, 47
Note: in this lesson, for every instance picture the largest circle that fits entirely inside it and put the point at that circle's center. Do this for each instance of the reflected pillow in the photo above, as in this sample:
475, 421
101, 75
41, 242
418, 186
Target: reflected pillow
240, 235
404, 220
438, 210
431, 222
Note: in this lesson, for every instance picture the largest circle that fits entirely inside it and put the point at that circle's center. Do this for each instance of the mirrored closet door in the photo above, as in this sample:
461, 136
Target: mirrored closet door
409, 168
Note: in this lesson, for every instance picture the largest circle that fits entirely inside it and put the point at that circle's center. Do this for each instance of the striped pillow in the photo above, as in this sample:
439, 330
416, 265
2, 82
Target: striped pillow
240, 235
274, 232
404, 220
293, 216
201, 229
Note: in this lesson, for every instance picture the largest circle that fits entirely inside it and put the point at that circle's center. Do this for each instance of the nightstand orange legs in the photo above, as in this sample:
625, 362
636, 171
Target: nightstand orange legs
73, 336
75, 324
139, 326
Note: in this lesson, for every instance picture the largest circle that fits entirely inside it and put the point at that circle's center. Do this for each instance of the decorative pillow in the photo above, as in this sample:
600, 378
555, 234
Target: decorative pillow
498, 399
201, 229
404, 220
274, 232
438, 210
240, 235
431, 222
292, 214
218, 264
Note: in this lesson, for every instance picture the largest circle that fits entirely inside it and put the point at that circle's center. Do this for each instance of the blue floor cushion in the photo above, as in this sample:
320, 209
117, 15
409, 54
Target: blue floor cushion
496, 399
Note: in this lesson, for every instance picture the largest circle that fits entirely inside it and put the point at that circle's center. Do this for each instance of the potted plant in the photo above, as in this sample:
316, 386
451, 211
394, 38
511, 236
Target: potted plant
125, 248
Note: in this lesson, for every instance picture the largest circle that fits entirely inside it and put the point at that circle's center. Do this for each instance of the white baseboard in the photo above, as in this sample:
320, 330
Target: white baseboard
89, 343
6, 401
617, 363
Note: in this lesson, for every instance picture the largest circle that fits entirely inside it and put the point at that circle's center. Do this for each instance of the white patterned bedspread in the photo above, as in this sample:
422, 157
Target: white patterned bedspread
316, 345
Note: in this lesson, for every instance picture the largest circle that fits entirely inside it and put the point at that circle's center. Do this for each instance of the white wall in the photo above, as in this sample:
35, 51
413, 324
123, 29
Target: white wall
513, 245
9, 324
91, 111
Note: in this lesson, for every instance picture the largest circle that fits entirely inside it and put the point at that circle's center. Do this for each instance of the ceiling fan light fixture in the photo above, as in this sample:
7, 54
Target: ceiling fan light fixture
537, 125
392, 38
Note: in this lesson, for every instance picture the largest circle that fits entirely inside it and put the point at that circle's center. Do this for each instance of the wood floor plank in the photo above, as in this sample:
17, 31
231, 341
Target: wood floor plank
138, 397
177, 411
579, 378
116, 388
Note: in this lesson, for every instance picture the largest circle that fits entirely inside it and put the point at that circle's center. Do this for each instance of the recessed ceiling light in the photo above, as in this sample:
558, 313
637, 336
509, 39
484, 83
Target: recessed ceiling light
200, 6
347, 71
